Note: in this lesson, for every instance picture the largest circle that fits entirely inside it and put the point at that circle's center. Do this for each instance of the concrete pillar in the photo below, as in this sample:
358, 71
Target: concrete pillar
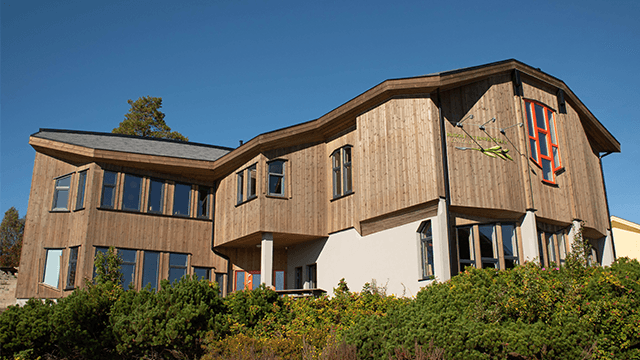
575, 230
441, 255
529, 231
266, 259
608, 256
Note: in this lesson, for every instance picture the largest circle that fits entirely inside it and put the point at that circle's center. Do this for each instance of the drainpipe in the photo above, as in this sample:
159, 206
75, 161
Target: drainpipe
453, 253
606, 199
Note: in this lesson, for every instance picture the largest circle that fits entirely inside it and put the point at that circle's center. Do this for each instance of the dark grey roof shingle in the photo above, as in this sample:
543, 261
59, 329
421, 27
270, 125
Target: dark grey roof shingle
135, 144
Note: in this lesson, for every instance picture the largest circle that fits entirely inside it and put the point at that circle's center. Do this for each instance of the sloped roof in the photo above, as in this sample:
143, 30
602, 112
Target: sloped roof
135, 144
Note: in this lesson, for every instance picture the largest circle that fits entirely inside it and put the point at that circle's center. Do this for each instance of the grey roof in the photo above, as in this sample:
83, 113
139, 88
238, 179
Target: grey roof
135, 144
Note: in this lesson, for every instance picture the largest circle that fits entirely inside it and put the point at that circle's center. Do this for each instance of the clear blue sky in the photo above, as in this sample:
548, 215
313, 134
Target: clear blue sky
230, 70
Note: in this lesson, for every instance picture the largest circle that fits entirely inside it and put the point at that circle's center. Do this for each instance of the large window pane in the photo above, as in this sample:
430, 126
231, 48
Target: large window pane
279, 280
534, 149
51, 274
203, 202
239, 280
82, 180
240, 180
276, 178
255, 281
202, 273
61, 193
532, 130
132, 187
128, 267
540, 121
102, 250
552, 127
466, 251
252, 182
547, 171
156, 196
181, 199
177, 266
509, 245
150, 269
108, 189
488, 246
71, 269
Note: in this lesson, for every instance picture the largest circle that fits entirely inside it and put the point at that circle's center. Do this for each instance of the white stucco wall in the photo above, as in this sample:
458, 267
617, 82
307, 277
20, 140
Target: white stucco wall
391, 257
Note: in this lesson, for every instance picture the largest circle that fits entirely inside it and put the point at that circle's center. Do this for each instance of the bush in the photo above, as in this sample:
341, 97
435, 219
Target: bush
26, 330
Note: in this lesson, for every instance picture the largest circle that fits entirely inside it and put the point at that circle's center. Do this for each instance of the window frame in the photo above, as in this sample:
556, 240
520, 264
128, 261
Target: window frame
550, 134
178, 266
342, 171
240, 185
134, 263
252, 182
158, 260
48, 263
125, 193
82, 184
204, 204
552, 239
163, 186
312, 276
113, 188
425, 241
497, 244
282, 176
72, 267
175, 194
58, 189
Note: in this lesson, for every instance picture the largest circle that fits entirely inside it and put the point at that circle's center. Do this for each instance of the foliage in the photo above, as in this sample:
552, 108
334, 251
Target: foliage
172, 320
11, 232
145, 119
26, 330
108, 267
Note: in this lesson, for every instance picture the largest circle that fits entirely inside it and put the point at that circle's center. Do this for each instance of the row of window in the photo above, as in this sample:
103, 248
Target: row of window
62, 192
133, 194
247, 179
496, 244
543, 139
251, 280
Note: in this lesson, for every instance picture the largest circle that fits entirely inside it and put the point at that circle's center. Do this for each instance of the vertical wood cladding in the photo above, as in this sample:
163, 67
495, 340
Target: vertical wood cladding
396, 156
342, 212
476, 179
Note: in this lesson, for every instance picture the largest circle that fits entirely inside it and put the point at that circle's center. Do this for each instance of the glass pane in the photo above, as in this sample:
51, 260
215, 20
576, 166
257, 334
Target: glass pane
347, 178
541, 248
255, 281
347, 155
177, 266
509, 242
465, 244
150, 269
551, 249
240, 187
556, 158
279, 280
201, 273
71, 271
64, 182
128, 268
552, 127
61, 199
275, 184
131, 198
107, 197
532, 131
178, 259
298, 284
203, 202
109, 178
337, 189
176, 274
336, 160
509, 263
252, 185
276, 167
127, 256
102, 250
544, 148
82, 179
181, 199
487, 241
540, 121
534, 149
156, 196
239, 280
547, 171
562, 246
51, 274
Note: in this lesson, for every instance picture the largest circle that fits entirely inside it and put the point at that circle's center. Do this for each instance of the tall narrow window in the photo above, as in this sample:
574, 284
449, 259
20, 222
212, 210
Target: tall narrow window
426, 250
488, 246
240, 177
82, 181
239, 280
51, 275
156, 196
298, 279
279, 279
312, 276
203, 202
181, 199
128, 267
276, 177
342, 172
132, 192
337, 169
252, 182
543, 139
71, 269
150, 268
509, 245
466, 249
102, 250
108, 189
61, 193
177, 266
219, 277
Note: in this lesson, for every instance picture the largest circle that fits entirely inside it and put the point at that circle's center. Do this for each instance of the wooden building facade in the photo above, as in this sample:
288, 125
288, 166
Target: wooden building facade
412, 180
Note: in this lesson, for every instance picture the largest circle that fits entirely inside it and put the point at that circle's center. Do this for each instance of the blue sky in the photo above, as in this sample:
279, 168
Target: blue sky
230, 70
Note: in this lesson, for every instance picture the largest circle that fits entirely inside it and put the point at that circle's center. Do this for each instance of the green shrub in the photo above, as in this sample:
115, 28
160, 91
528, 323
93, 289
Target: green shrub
26, 330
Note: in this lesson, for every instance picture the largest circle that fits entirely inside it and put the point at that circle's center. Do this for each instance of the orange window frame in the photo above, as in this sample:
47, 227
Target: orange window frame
550, 134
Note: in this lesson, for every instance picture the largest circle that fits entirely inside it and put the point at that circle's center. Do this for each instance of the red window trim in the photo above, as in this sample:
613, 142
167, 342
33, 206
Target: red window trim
532, 125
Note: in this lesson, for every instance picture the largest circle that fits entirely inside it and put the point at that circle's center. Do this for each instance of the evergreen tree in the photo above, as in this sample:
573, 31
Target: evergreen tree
145, 119
11, 231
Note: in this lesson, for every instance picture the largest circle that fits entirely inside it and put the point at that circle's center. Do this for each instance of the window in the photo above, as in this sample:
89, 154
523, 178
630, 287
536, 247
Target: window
82, 181
220, 281
298, 279
132, 191
71, 269
203, 202
279, 279
552, 245
312, 276
466, 248
252, 182
61, 193
102, 250
181, 199
128, 267
509, 245
239, 280
240, 187
202, 273
51, 275
155, 201
150, 268
108, 189
543, 139
276, 177
426, 250
488, 246
342, 174
177, 266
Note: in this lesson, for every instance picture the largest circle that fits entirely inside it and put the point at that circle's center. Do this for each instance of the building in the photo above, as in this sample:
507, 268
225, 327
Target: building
412, 180
627, 235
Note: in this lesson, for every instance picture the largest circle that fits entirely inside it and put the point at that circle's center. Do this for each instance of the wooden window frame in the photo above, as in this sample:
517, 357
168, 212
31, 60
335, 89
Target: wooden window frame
425, 241
173, 210
57, 189
163, 187
82, 185
250, 185
72, 267
497, 244
113, 187
179, 266
46, 268
342, 171
128, 177
252, 182
550, 133
240, 186
204, 205
282, 176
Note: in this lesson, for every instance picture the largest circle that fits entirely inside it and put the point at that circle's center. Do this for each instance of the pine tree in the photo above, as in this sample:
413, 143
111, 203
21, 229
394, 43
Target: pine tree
11, 232
145, 119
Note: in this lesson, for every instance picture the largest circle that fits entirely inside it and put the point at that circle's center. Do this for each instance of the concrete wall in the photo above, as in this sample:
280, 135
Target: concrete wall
626, 238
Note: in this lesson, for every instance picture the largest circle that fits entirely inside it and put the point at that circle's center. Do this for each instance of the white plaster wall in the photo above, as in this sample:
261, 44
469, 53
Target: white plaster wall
391, 257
